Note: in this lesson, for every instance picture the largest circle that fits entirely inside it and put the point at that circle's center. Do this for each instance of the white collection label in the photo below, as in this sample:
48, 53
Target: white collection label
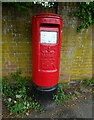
48, 37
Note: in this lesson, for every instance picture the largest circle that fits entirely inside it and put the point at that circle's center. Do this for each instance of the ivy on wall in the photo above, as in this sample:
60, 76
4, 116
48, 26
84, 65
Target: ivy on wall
86, 15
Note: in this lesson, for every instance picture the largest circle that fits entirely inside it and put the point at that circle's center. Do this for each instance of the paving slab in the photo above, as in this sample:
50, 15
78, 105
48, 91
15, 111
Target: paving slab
81, 107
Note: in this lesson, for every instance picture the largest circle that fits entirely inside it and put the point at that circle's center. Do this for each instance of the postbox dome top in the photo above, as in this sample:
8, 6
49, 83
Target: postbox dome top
51, 15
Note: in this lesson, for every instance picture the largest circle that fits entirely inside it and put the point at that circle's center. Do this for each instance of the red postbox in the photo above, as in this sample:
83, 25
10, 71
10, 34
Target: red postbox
46, 42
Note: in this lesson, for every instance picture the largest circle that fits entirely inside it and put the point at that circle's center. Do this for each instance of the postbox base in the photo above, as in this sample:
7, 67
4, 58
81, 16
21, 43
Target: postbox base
44, 95
45, 89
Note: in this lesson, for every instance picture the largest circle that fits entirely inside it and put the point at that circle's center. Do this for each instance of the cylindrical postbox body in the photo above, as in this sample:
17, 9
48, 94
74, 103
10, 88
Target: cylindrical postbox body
46, 42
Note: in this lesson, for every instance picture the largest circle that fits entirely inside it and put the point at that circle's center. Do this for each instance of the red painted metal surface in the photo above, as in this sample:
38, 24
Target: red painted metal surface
46, 56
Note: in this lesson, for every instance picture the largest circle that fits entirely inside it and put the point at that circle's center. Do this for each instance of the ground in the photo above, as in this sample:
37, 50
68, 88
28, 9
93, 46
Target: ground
80, 106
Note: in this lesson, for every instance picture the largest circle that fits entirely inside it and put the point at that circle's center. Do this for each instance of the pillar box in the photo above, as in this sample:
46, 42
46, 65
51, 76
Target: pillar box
46, 43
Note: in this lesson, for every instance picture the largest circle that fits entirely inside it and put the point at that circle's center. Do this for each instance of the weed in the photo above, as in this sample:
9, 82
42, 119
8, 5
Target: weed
88, 82
15, 96
61, 96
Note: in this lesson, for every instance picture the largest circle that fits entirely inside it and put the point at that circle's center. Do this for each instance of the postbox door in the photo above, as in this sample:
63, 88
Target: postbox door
48, 60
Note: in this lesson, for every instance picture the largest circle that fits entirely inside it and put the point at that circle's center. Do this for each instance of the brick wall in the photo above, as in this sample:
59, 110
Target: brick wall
76, 51
17, 39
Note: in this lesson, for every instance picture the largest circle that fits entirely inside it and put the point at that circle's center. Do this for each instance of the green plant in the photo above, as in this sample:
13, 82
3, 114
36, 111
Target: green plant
61, 96
15, 95
85, 13
88, 82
